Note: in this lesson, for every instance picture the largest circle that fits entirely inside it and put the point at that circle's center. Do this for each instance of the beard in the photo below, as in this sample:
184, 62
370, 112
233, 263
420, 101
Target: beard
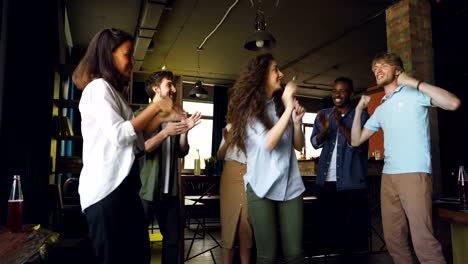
386, 80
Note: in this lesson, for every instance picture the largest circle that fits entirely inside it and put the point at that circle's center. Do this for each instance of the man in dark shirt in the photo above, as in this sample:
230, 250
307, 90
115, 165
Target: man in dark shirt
342, 174
164, 145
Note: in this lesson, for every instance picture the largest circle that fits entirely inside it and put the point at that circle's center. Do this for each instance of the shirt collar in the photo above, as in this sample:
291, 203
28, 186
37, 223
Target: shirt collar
385, 98
269, 101
351, 108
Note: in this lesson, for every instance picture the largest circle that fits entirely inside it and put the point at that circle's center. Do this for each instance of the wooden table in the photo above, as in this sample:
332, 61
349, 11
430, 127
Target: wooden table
459, 230
28, 245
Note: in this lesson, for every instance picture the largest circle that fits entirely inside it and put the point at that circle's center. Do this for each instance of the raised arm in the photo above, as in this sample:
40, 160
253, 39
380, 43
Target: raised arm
439, 97
274, 134
358, 135
141, 121
297, 115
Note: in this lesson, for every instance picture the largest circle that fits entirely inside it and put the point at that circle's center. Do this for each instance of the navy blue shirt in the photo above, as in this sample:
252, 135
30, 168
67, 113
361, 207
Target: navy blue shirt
351, 162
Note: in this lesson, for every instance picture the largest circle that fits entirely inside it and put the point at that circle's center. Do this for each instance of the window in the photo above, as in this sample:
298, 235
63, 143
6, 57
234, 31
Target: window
199, 137
307, 128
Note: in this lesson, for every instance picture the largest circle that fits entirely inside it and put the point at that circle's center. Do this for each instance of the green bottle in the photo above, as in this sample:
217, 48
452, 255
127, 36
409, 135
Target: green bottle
196, 167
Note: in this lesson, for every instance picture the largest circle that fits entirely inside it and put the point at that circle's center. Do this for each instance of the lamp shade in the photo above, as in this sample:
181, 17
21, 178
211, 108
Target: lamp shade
260, 40
198, 91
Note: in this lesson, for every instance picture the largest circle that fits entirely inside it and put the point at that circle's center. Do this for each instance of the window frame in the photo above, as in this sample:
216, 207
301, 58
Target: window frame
203, 117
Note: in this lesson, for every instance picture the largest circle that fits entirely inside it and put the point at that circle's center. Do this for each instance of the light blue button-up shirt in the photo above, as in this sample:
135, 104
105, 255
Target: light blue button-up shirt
272, 174
404, 118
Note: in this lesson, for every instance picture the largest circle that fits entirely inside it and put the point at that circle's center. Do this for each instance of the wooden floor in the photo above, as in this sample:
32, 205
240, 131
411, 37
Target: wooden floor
207, 243
199, 245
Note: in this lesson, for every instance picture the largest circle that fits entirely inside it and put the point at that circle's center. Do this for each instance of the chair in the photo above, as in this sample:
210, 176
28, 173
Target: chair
67, 219
70, 192
199, 205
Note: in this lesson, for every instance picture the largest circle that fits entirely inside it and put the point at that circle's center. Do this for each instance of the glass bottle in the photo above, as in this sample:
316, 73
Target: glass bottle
15, 206
196, 167
377, 154
463, 188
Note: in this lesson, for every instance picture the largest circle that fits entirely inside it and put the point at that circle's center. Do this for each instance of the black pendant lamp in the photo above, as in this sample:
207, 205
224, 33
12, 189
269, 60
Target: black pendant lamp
261, 39
198, 91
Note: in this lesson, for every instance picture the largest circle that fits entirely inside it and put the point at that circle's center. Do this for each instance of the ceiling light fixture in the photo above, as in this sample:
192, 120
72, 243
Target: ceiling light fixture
261, 39
198, 91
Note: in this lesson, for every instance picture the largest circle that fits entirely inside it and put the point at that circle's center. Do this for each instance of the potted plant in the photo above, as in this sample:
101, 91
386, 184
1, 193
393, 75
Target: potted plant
210, 166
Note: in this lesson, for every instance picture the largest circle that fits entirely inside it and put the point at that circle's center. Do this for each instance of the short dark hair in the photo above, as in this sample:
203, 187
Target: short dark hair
98, 61
389, 58
155, 79
346, 80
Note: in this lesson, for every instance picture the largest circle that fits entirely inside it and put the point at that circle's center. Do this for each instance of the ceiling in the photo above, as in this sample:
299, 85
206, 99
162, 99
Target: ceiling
317, 40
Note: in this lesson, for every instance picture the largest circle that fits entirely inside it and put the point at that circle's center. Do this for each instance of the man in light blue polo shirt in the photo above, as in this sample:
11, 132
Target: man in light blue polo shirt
406, 190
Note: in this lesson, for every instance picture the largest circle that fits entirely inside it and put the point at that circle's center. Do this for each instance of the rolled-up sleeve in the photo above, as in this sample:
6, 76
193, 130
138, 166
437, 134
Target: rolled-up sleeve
423, 99
118, 130
373, 122
315, 132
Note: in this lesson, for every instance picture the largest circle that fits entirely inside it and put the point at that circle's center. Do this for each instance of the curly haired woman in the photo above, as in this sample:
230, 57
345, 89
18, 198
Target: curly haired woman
266, 126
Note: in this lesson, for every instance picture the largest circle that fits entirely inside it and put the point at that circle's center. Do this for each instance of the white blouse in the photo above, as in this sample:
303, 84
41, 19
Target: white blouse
233, 152
109, 141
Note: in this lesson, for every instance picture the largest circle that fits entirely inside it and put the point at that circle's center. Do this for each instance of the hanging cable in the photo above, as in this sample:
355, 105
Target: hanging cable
217, 26
198, 61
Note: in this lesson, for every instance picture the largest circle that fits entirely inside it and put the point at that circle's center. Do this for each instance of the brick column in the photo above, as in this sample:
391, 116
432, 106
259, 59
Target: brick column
409, 34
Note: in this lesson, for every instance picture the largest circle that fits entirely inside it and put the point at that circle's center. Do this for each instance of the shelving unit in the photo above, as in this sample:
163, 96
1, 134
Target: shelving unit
66, 141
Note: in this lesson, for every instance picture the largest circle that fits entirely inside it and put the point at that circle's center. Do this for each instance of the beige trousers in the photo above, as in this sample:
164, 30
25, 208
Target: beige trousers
407, 198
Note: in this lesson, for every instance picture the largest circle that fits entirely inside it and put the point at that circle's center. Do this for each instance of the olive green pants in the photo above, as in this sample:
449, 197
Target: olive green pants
267, 216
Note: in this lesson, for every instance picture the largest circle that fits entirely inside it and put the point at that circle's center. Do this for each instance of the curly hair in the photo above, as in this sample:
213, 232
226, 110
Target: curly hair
247, 99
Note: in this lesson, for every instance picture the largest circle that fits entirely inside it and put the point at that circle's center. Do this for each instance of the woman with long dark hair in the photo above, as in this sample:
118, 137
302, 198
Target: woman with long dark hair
112, 140
266, 126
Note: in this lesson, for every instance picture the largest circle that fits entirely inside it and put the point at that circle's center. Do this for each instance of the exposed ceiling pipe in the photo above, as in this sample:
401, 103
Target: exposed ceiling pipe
147, 27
